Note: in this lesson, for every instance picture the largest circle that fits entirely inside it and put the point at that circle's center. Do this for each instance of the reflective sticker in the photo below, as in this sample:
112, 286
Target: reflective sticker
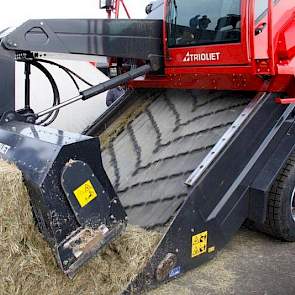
211, 249
85, 193
174, 272
199, 244
4, 148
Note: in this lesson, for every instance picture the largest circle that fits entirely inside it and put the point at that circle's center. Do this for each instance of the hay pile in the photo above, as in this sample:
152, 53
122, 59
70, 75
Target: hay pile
27, 265
214, 277
120, 123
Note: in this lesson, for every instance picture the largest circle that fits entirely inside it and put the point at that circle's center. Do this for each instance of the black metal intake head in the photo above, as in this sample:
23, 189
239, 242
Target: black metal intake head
74, 203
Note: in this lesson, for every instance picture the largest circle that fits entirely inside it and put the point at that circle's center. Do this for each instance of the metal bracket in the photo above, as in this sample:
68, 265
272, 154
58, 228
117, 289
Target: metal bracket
225, 139
24, 115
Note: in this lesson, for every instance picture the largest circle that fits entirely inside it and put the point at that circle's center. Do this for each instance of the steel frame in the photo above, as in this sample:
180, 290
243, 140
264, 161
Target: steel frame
218, 203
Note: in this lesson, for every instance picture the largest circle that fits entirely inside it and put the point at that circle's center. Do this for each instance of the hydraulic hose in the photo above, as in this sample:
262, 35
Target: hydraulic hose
102, 87
56, 95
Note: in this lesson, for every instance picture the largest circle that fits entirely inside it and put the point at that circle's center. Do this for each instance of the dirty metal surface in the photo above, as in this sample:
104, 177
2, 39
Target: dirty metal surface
252, 263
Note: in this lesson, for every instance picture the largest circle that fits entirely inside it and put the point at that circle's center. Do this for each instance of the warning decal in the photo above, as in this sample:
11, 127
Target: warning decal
199, 244
85, 193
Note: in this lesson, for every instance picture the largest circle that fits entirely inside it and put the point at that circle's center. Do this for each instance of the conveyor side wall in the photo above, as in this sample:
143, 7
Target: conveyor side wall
219, 201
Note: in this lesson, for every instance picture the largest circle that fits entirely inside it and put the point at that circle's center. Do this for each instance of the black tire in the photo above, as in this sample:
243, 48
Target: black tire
280, 221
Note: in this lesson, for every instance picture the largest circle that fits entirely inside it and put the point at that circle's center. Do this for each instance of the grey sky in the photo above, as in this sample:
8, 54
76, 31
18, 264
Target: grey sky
17, 11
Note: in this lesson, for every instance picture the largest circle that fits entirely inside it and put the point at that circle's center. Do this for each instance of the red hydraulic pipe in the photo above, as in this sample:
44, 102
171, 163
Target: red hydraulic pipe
125, 8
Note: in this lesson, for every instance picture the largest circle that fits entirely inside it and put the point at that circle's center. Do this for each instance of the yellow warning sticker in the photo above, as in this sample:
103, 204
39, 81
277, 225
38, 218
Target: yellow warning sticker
85, 193
199, 244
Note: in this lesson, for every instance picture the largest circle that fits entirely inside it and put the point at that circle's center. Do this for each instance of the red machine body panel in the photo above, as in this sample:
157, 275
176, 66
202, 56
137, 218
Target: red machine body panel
215, 55
262, 61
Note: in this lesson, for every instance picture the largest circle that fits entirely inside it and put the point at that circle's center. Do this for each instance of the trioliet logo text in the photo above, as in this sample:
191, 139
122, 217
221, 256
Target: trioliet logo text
193, 57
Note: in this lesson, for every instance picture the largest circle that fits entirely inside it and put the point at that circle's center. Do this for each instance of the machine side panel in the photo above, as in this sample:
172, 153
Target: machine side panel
277, 156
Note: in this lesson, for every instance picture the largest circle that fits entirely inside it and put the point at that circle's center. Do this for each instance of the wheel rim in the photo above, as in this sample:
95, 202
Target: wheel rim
293, 205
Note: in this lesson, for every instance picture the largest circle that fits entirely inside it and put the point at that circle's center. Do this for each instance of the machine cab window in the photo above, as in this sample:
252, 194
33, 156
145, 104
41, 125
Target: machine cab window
260, 9
203, 22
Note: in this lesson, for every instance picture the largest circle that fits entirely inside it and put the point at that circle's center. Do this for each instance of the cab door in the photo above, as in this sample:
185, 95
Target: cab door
207, 33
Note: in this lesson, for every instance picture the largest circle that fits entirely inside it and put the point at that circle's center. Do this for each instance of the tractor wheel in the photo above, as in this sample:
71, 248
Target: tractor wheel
280, 221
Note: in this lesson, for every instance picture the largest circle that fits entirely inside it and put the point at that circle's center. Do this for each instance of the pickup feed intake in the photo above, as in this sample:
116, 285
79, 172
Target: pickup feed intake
74, 205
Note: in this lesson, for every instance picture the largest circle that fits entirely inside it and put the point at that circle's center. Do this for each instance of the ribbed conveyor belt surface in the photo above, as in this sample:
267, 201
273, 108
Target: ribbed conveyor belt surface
149, 161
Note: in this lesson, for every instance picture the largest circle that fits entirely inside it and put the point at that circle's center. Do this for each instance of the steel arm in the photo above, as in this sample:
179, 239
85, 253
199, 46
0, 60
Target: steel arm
82, 39
90, 37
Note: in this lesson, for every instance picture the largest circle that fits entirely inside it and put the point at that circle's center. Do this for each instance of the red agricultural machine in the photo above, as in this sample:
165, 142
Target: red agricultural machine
202, 141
